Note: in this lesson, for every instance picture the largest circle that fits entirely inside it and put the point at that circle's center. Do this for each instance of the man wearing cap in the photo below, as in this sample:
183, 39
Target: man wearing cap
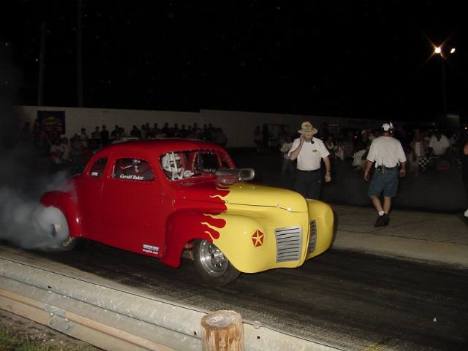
388, 157
309, 152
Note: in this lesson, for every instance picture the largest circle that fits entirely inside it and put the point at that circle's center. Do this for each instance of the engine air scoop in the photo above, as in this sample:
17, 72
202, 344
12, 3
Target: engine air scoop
225, 176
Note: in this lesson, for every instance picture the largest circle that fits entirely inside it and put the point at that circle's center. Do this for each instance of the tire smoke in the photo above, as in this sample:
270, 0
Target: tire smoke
28, 224
24, 176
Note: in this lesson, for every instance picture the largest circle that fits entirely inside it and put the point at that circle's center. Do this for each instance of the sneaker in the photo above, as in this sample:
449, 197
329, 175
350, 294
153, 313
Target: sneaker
380, 222
466, 214
386, 219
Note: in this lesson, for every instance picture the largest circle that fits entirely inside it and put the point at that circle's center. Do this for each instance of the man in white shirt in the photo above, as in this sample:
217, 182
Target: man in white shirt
439, 143
389, 159
309, 152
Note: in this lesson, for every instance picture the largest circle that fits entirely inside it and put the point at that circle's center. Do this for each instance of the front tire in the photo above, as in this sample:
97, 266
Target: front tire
211, 264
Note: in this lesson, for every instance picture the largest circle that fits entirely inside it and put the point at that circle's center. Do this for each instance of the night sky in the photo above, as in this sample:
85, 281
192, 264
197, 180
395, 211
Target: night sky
369, 59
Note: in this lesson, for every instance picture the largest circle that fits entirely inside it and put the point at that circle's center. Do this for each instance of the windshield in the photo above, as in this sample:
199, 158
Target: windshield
189, 164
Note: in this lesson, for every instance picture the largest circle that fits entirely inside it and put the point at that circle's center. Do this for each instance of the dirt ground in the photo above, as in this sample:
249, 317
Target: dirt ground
25, 330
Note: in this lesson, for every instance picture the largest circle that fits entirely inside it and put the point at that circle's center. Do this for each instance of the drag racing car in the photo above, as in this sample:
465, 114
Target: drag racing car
170, 199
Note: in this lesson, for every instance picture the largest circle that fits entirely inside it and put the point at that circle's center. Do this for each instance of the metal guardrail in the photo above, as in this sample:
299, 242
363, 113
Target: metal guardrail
118, 320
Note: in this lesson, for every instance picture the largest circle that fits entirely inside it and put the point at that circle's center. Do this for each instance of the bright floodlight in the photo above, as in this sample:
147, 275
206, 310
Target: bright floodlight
452, 50
438, 50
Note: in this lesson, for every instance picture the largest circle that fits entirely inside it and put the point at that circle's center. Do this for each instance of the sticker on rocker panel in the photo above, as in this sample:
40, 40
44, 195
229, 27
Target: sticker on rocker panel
150, 249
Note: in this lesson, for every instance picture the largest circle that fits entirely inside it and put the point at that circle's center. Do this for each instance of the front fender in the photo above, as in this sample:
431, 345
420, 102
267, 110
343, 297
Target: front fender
231, 233
185, 226
64, 202
322, 214
237, 242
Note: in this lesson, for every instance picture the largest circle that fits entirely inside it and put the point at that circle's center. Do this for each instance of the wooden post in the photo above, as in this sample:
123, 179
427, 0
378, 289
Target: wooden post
223, 331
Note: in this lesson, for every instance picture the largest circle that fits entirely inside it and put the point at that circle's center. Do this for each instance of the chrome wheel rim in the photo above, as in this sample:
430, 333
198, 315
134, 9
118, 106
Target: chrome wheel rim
212, 259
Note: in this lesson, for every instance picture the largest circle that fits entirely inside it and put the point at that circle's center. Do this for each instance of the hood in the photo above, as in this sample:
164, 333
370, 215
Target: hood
261, 195
245, 194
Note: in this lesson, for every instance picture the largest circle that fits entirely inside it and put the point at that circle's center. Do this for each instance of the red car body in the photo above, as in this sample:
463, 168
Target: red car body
166, 198
155, 216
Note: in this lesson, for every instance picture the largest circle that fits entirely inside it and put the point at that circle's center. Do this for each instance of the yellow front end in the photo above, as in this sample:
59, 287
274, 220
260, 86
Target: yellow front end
269, 228
322, 227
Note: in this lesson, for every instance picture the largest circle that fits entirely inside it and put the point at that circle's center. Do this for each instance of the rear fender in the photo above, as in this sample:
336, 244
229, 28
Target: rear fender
64, 202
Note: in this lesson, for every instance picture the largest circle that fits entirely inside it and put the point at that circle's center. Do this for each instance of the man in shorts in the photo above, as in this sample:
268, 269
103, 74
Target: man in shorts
388, 158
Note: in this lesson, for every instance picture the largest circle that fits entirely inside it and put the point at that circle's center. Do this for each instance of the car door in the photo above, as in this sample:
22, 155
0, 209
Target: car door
89, 187
131, 200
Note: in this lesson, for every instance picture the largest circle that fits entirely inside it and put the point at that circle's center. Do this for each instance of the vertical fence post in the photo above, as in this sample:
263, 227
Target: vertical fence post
223, 331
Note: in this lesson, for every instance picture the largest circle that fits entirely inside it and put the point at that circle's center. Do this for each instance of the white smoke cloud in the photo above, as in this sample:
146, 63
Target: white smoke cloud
24, 176
24, 221
28, 224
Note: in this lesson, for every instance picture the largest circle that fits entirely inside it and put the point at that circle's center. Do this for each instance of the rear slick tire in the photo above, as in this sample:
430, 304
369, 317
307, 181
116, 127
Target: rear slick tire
212, 266
58, 227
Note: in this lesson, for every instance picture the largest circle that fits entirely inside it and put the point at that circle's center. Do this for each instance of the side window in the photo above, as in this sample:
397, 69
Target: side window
98, 167
207, 162
225, 162
132, 169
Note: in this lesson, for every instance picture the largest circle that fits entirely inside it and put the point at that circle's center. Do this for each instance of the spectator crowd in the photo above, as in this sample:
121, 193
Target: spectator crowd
73, 153
426, 148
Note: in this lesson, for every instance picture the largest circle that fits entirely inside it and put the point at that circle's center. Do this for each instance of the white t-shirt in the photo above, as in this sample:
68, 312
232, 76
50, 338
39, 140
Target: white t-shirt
310, 155
439, 146
386, 151
418, 148
358, 158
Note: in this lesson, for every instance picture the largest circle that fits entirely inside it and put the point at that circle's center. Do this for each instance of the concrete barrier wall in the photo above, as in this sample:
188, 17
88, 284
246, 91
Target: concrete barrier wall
115, 319
238, 125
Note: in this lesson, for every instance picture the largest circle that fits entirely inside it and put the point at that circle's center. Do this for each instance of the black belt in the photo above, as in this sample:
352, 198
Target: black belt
314, 170
383, 167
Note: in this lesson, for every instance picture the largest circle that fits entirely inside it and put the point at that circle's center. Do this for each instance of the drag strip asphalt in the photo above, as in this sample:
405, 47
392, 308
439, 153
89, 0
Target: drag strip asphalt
348, 300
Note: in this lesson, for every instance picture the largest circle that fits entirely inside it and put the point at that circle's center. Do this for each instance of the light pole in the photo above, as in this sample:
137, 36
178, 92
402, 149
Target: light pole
443, 51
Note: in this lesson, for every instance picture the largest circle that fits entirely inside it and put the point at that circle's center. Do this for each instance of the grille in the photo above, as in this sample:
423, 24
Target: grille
288, 244
312, 237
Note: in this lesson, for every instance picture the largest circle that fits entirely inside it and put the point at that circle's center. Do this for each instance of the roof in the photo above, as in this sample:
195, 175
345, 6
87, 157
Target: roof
161, 145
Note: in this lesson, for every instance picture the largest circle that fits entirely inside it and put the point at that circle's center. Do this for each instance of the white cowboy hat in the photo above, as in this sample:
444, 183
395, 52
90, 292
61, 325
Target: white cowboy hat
307, 127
